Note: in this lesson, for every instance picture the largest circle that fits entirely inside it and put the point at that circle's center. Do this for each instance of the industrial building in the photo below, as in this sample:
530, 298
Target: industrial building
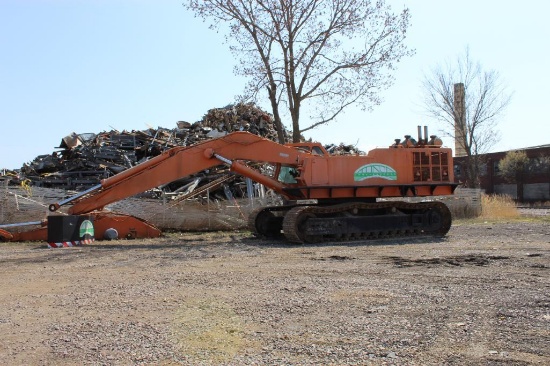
535, 185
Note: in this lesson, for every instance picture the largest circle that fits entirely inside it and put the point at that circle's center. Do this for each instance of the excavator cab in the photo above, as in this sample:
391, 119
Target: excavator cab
288, 174
314, 148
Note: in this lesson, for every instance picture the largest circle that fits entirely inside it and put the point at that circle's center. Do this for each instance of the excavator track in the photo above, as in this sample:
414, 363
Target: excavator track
352, 221
267, 222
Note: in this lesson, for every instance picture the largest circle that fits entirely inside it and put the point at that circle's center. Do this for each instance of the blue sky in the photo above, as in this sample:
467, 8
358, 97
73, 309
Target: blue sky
90, 66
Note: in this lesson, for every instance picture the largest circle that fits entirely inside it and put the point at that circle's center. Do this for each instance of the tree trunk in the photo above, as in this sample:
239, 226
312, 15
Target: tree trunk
519, 184
519, 191
272, 92
472, 176
295, 113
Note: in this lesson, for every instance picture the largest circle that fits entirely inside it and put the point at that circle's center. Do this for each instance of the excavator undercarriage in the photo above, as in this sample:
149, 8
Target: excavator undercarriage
351, 221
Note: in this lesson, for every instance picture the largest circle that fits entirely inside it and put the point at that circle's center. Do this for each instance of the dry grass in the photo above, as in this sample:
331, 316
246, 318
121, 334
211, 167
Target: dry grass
498, 207
540, 204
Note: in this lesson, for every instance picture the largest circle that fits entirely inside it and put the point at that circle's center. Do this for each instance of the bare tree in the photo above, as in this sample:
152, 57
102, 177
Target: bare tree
313, 56
472, 124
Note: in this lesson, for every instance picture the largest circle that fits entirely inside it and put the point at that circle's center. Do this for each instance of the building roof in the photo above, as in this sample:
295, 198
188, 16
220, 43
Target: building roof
546, 146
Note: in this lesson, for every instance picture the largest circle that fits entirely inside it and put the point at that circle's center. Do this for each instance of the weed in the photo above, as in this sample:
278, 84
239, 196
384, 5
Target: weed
498, 206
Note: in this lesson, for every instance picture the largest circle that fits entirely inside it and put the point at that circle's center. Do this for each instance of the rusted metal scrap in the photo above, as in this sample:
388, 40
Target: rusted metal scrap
83, 160
343, 149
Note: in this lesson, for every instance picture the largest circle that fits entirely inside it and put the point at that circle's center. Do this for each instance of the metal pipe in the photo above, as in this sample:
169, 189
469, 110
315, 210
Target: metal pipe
426, 134
22, 224
249, 188
419, 134
55, 206
225, 160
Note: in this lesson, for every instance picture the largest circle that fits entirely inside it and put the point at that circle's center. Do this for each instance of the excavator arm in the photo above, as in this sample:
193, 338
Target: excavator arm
180, 162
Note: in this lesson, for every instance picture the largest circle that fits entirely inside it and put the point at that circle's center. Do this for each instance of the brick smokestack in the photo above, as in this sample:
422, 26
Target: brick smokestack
460, 119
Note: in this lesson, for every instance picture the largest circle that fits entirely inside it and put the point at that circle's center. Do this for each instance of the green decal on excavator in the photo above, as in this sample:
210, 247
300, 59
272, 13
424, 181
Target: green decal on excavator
375, 171
86, 229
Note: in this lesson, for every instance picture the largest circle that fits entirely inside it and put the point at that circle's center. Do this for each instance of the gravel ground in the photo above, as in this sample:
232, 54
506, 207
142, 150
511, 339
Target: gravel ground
480, 296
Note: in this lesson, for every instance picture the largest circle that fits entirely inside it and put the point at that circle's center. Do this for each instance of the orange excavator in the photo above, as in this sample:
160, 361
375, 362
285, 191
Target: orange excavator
327, 197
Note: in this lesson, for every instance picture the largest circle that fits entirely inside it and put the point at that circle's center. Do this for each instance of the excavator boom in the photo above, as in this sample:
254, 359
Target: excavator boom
180, 162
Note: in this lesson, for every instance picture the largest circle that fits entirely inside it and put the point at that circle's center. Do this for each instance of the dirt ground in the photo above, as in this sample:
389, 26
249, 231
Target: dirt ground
480, 296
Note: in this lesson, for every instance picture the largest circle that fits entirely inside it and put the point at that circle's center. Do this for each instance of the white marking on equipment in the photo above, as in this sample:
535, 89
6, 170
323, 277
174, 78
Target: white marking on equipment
68, 244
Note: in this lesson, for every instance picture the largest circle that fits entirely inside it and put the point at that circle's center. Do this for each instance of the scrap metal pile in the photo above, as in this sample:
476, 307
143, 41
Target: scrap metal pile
83, 160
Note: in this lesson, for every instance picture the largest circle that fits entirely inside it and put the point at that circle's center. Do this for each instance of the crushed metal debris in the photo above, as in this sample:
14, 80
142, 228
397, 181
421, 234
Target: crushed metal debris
83, 160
